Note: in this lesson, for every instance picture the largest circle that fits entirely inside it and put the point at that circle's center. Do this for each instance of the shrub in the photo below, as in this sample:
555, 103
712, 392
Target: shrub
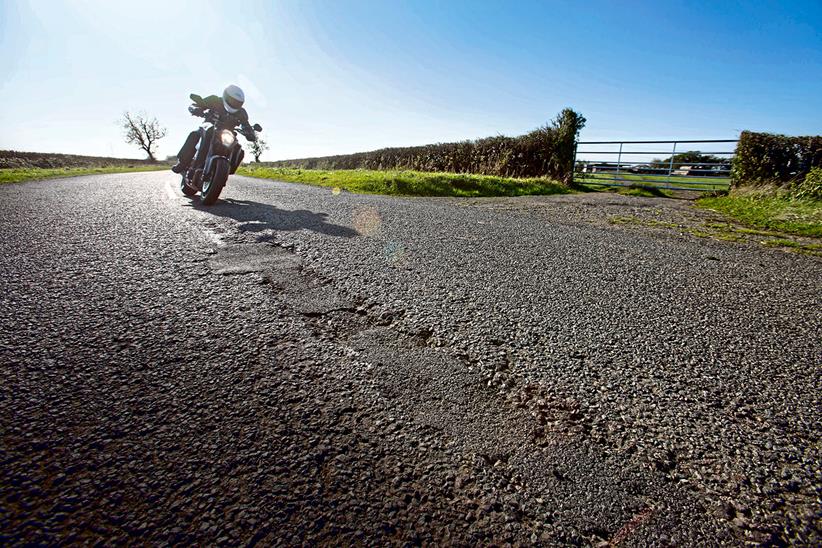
811, 186
546, 151
765, 158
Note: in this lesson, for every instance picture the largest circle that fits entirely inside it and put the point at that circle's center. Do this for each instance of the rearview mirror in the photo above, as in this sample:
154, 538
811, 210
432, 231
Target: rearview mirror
196, 98
257, 127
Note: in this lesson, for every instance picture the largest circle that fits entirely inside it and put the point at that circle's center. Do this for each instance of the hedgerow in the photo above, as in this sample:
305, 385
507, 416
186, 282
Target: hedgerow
765, 158
811, 186
547, 151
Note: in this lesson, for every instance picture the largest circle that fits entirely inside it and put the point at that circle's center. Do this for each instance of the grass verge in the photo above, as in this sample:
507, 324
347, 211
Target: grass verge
770, 211
729, 232
19, 175
630, 190
409, 183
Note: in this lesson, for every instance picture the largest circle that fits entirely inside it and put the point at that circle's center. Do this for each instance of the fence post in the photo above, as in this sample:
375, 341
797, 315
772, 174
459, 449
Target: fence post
574, 164
671, 166
619, 161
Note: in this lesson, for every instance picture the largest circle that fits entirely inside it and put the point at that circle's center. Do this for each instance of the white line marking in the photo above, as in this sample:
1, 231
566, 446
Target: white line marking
170, 191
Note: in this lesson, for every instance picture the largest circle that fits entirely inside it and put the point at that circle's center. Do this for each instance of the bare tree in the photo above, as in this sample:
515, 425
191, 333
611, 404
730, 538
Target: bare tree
142, 131
256, 148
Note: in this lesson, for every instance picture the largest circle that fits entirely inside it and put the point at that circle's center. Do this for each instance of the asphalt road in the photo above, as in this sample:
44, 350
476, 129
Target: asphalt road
295, 365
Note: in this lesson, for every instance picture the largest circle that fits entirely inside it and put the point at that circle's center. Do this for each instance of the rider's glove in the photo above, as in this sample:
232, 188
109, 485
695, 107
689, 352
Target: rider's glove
195, 110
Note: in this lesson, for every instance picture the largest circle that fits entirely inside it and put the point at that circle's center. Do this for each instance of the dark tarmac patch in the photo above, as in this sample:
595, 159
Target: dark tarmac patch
278, 267
251, 258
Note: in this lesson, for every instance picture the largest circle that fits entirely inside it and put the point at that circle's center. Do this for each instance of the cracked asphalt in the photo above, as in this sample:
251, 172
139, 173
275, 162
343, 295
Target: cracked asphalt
300, 366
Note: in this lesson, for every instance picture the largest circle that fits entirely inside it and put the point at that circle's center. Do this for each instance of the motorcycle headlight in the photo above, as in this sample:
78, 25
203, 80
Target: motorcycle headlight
227, 137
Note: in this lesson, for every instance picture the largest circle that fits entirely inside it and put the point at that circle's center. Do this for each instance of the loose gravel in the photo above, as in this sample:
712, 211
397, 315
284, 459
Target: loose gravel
296, 365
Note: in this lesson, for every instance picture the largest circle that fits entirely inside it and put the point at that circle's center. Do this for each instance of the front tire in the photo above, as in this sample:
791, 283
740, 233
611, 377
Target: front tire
215, 184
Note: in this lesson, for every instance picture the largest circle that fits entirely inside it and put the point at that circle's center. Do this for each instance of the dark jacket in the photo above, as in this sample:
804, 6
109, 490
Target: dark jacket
214, 102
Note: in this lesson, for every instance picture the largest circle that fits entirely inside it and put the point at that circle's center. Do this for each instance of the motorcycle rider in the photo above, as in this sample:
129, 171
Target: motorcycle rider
230, 103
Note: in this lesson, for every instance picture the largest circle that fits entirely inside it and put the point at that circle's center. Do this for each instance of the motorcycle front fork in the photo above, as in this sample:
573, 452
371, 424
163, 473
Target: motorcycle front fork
195, 179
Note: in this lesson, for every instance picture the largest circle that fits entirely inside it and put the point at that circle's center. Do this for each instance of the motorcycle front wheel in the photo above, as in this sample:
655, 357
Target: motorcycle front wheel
215, 184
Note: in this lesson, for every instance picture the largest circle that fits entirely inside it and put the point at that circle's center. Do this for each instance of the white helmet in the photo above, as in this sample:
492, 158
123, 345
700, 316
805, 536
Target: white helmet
233, 98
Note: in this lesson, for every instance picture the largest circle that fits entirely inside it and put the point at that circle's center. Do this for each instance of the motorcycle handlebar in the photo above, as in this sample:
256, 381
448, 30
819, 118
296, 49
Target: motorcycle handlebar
199, 111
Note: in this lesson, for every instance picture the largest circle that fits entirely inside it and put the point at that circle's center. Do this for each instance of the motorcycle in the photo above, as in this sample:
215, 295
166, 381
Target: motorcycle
219, 133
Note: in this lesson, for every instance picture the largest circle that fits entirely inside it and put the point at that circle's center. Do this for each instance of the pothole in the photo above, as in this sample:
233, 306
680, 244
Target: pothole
282, 271
251, 258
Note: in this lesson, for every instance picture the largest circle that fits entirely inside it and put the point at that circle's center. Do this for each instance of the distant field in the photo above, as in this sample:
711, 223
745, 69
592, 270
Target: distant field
19, 175
16, 159
409, 183
658, 181
17, 166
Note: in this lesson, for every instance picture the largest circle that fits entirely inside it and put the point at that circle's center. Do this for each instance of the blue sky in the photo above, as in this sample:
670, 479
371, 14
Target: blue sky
343, 76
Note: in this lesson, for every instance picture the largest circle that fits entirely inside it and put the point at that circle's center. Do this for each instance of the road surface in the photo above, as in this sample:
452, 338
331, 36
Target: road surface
298, 365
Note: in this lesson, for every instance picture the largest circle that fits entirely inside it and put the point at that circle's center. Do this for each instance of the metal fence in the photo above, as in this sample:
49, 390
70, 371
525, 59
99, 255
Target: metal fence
688, 165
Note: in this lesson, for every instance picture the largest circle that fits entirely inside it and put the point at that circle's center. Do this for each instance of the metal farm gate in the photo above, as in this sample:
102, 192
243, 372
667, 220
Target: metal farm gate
685, 165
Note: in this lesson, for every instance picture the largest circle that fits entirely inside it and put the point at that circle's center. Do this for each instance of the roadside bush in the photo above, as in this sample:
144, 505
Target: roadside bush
547, 151
765, 158
811, 186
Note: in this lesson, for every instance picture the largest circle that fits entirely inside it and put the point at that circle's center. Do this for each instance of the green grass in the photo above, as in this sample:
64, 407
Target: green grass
630, 190
652, 181
409, 183
18, 175
727, 232
775, 212
631, 220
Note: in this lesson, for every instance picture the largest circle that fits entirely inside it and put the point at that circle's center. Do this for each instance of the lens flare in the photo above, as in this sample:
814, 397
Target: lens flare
394, 253
367, 221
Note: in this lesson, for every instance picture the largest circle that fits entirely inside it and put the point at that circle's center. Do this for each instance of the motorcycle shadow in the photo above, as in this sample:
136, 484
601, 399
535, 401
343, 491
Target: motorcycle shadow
258, 217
